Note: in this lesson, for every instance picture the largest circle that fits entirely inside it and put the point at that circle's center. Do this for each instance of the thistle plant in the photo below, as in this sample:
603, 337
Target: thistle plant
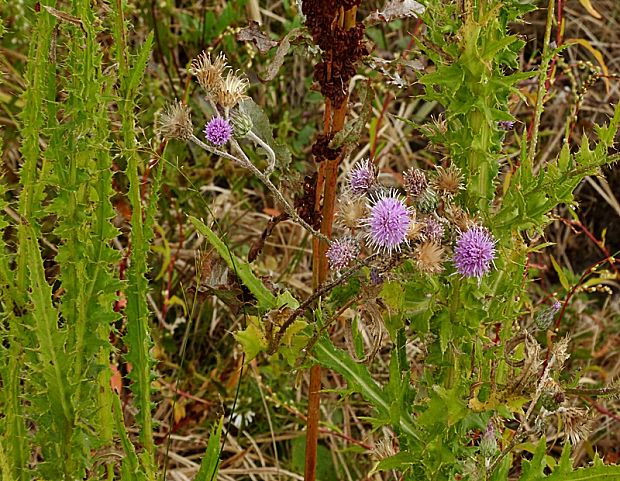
435, 260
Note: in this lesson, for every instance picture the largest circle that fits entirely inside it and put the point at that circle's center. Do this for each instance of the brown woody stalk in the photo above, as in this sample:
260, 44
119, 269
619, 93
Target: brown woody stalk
335, 30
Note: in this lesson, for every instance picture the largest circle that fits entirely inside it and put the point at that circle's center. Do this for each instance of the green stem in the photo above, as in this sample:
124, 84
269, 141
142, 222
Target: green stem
542, 80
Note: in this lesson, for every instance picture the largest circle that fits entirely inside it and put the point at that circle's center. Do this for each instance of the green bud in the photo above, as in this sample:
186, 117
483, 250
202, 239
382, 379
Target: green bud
428, 201
242, 124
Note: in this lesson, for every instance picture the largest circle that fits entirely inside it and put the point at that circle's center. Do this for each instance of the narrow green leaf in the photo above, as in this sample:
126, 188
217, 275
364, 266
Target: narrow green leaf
266, 300
561, 274
359, 378
211, 460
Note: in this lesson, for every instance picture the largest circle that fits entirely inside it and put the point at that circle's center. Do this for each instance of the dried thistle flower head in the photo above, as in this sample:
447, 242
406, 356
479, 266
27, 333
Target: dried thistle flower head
209, 72
448, 181
576, 422
415, 182
351, 212
429, 257
432, 229
458, 217
232, 90
414, 232
175, 122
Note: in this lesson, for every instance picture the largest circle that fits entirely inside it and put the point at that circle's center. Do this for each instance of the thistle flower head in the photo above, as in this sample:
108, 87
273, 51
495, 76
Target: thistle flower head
351, 212
388, 222
362, 177
242, 124
505, 124
488, 444
432, 230
415, 182
427, 201
474, 252
448, 181
577, 423
429, 257
545, 316
218, 131
458, 217
232, 90
209, 71
175, 122
342, 252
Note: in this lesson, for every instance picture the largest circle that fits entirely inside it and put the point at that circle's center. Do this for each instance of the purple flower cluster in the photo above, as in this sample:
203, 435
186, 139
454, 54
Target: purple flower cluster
505, 124
432, 230
342, 252
415, 182
388, 222
218, 131
362, 177
474, 252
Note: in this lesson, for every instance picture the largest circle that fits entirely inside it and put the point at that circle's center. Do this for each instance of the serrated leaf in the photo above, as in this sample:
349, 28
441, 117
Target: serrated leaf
252, 339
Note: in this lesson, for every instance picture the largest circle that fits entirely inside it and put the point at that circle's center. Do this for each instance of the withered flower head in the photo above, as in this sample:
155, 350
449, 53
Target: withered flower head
351, 212
449, 181
416, 227
209, 72
429, 257
576, 422
232, 90
458, 217
175, 122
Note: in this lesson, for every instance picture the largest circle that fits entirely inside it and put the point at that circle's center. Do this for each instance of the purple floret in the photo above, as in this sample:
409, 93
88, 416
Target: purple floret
342, 252
389, 222
218, 131
362, 177
474, 252
433, 230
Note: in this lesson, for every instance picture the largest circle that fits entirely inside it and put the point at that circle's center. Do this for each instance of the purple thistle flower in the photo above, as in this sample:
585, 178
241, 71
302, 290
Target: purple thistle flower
389, 222
432, 230
218, 131
362, 177
474, 252
342, 252
556, 305
505, 124
415, 182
